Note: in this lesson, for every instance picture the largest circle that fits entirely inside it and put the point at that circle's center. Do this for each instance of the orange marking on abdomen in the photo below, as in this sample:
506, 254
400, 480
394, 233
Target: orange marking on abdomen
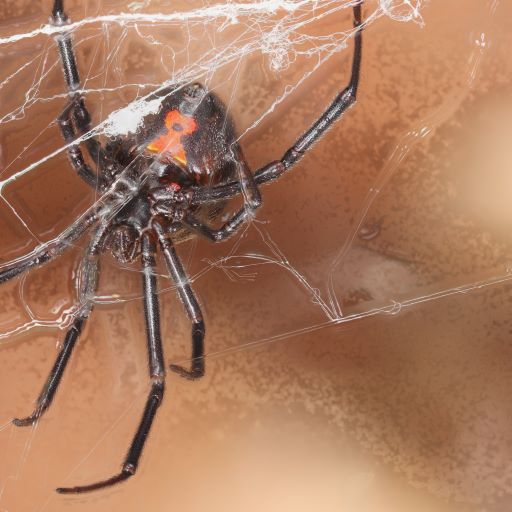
177, 126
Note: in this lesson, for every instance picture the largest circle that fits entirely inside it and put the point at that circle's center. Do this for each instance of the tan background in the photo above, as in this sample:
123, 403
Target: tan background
409, 411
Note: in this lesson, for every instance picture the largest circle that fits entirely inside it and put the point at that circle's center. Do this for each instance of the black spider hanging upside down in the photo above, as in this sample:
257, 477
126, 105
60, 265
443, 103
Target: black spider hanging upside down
166, 182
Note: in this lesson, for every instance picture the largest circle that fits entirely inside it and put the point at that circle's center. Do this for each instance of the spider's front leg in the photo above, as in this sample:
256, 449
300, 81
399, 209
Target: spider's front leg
156, 372
89, 271
50, 250
190, 303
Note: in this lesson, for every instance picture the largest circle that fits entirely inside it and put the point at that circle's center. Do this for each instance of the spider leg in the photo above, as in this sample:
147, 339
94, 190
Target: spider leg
125, 188
48, 392
50, 250
156, 372
252, 200
252, 196
224, 232
74, 152
89, 274
190, 303
341, 103
67, 55
78, 113
76, 108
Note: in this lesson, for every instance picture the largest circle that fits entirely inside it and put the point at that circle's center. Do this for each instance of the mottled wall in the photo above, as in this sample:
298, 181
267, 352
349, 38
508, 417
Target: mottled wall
409, 411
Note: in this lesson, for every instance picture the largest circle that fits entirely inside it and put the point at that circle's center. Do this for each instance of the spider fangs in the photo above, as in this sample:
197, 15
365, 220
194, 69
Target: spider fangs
167, 181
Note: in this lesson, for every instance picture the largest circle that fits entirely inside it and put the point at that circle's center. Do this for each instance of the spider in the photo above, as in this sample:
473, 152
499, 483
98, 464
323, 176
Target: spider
166, 182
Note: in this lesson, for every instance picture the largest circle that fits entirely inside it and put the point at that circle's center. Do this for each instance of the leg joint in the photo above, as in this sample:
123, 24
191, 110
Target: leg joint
290, 157
157, 389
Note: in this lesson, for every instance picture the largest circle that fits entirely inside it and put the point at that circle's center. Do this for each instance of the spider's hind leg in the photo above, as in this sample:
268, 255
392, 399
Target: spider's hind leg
76, 110
190, 303
74, 152
67, 55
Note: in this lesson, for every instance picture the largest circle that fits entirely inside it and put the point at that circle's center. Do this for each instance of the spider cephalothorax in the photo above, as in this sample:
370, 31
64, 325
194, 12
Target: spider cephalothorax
165, 181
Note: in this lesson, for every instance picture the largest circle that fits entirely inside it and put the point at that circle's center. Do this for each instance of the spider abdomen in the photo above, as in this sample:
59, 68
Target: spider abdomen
191, 132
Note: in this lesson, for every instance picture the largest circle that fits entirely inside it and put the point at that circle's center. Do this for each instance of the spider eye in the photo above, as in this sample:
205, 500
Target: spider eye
177, 127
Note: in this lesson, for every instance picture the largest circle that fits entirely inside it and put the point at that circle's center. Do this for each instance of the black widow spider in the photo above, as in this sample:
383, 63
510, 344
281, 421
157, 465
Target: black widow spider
160, 185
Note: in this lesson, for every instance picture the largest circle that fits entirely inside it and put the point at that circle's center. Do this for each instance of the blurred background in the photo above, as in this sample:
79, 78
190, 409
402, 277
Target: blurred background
358, 332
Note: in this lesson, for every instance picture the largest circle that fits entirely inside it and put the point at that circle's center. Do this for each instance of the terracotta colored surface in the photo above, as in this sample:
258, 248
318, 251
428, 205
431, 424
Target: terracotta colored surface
409, 411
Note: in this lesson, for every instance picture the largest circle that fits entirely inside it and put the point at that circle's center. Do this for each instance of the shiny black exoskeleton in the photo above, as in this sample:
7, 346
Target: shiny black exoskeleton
164, 181
197, 148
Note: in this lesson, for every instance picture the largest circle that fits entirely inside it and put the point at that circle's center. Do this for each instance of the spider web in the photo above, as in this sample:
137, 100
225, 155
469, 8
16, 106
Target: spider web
363, 226
278, 32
